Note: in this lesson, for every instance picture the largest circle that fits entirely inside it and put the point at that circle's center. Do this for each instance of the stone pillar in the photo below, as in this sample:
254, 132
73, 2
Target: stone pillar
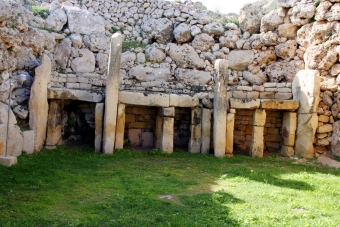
111, 94
28, 145
229, 148
306, 89
288, 133
195, 131
206, 128
38, 105
220, 107
120, 126
159, 125
54, 123
98, 134
257, 145
167, 134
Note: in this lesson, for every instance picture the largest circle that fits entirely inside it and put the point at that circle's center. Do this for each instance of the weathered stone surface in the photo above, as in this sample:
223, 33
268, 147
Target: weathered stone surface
203, 42
24, 59
213, 28
8, 161
271, 21
4, 115
167, 136
240, 59
84, 22
15, 140
301, 13
286, 3
229, 148
284, 71
134, 136
195, 131
192, 76
54, 123
287, 151
150, 74
98, 121
159, 29
39, 40
321, 57
287, 30
5, 10
315, 33
77, 40
286, 50
8, 61
183, 100
230, 38
62, 53
306, 128
147, 140
97, 42
259, 117
56, 20
161, 100
244, 103
154, 54
289, 128
255, 79
158, 131
325, 128
257, 145
306, 89
182, 33
321, 10
28, 141
335, 144
72, 94
38, 105
185, 56
266, 57
127, 60
279, 104
333, 13
206, 129
168, 112
85, 63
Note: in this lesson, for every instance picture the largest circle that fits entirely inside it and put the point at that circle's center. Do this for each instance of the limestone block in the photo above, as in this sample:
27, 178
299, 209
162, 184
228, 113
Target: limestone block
206, 129
144, 99
54, 123
183, 100
306, 128
185, 56
168, 112
98, 121
15, 140
289, 128
21, 112
28, 145
230, 134
306, 89
147, 140
335, 144
240, 59
325, 128
38, 105
182, 33
71, 94
159, 29
8, 161
4, 115
158, 132
244, 103
134, 136
85, 63
203, 42
259, 117
279, 104
257, 145
167, 136
192, 76
287, 151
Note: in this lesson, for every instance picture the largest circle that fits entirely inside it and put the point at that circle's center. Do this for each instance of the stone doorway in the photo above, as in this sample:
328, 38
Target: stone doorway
182, 128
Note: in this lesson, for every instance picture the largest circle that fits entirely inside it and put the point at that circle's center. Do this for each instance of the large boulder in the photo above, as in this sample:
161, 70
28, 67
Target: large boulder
85, 63
334, 13
15, 140
154, 54
161, 30
84, 22
286, 3
26, 59
301, 13
335, 144
39, 40
230, 38
214, 28
127, 59
316, 33
284, 71
256, 79
63, 52
190, 76
182, 33
240, 59
4, 115
321, 57
203, 42
56, 20
97, 42
271, 21
142, 73
286, 50
185, 56
5, 10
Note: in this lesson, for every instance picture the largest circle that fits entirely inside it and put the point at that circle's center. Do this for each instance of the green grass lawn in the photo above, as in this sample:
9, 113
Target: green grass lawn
76, 187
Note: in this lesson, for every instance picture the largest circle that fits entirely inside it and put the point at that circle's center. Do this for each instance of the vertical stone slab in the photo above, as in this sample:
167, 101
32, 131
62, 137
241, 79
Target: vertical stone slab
111, 94
98, 121
229, 147
167, 136
195, 131
220, 107
159, 125
54, 123
289, 128
257, 141
38, 105
206, 128
120, 126
28, 146
305, 133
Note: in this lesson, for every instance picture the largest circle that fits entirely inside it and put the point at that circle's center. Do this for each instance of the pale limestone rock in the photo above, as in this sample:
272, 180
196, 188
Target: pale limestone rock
321, 10
335, 144
72, 94
54, 123
240, 59
84, 22
77, 40
168, 112
159, 29
286, 3
192, 76
269, 38
334, 13
8, 61
301, 13
142, 73
154, 54
97, 42
287, 151
265, 57
316, 33
259, 117
230, 134
286, 50
167, 135
271, 21
56, 20
21, 112
184, 101
195, 131
62, 53
325, 128
244, 103
328, 84
25, 59
284, 71
160, 100
287, 30
28, 141
39, 40
306, 128
38, 105
185, 56
206, 128
213, 28
230, 38
335, 70
195, 30
85, 63
127, 60
98, 132
182, 33
101, 62
203, 42
289, 122
4, 115
257, 142
279, 104
5, 10
140, 58
15, 140
255, 79
321, 57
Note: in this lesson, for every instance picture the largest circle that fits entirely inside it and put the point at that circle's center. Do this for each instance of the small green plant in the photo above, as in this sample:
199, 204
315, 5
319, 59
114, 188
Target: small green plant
43, 12
316, 3
311, 20
328, 35
71, 121
128, 45
232, 20
115, 29
127, 143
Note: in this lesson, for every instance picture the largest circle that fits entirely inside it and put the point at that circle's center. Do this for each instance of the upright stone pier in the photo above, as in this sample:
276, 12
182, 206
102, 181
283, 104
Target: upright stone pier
167, 134
98, 134
229, 149
120, 126
220, 107
111, 94
195, 131
257, 141
206, 127
54, 124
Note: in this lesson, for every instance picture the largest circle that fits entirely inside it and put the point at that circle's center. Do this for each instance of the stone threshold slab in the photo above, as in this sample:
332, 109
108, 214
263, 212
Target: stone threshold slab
268, 104
74, 94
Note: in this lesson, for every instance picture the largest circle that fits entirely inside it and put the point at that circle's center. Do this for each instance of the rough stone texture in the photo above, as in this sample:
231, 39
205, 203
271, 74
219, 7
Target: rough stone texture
54, 123
335, 144
167, 136
306, 128
315, 33
134, 136
244, 103
111, 94
158, 131
287, 30
302, 13
150, 74
56, 20
280, 104
182, 33
287, 151
28, 141
284, 71
96, 42
286, 50
203, 42
213, 28
334, 13
229, 148
192, 76
168, 112
4, 115
183, 101
257, 142
195, 131
38, 105
98, 121
85, 63
71, 94
160, 100
185, 56
220, 107
15, 140
271, 21
259, 117
306, 89
5, 10
240, 59
127, 60
289, 128
159, 29
321, 10
84, 22
154, 54
206, 128
62, 53
286, 3
257, 79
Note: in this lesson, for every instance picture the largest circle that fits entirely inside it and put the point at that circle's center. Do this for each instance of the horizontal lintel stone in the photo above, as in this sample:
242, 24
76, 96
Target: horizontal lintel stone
279, 104
244, 103
74, 94
144, 99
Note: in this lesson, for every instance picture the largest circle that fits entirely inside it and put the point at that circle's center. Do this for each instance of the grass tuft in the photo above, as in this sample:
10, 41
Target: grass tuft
43, 12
